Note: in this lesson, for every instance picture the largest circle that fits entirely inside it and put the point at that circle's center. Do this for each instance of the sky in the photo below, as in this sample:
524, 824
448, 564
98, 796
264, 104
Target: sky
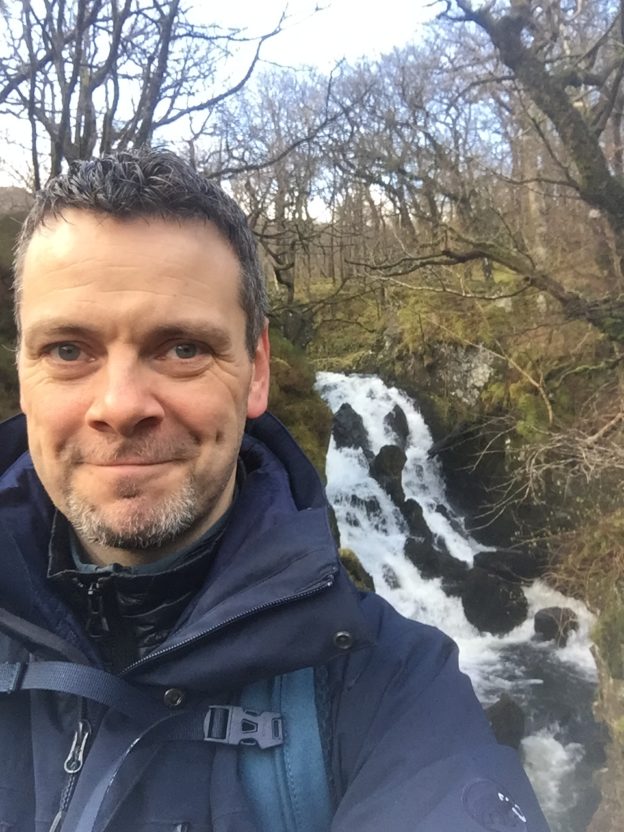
316, 33
339, 29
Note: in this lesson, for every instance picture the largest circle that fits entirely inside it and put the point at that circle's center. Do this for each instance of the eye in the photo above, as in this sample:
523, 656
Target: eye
66, 352
187, 350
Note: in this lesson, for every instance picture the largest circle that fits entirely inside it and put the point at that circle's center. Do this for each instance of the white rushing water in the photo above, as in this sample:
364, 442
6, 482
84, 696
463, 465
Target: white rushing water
371, 525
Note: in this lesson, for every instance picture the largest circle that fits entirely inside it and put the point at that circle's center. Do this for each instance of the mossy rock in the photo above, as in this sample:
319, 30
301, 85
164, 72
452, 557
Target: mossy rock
609, 636
296, 403
357, 573
9, 391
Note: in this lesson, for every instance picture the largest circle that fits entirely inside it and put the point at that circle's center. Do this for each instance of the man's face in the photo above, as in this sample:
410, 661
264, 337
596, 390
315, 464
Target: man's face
135, 378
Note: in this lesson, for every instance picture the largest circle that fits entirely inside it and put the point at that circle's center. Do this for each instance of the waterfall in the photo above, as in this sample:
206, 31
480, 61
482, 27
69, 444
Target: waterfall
555, 686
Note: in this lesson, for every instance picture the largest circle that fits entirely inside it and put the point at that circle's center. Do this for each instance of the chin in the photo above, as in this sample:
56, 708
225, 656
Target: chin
134, 523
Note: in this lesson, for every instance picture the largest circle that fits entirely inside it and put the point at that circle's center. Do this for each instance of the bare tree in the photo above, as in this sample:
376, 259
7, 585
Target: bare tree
97, 74
569, 65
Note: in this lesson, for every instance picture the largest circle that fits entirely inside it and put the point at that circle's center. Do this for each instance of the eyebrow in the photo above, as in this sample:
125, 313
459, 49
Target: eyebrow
55, 328
218, 337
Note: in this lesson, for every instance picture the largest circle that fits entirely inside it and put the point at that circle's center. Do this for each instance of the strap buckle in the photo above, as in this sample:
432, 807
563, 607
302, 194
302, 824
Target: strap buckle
11, 676
233, 725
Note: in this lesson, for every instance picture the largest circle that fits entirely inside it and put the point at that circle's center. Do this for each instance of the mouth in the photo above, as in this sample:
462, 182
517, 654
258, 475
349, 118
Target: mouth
132, 463
133, 467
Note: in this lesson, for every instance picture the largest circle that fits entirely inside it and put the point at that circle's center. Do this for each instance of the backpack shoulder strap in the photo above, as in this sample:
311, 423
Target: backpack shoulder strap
288, 785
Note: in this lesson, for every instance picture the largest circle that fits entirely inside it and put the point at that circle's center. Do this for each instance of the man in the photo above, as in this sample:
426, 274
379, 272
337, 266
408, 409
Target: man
159, 557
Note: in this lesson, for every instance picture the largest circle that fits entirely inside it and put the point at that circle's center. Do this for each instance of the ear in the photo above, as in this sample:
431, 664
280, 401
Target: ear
258, 397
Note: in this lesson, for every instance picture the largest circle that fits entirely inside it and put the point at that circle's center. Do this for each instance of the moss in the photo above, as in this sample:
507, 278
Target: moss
614, 327
530, 423
590, 565
295, 402
9, 393
357, 573
609, 635
618, 731
9, 229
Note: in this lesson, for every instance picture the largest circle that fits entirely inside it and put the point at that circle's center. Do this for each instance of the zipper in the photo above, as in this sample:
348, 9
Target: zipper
75, 758
325, 583
73, 766
97, 625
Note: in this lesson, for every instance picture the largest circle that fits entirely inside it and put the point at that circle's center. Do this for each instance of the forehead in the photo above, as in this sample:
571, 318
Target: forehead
75, 233
84, 260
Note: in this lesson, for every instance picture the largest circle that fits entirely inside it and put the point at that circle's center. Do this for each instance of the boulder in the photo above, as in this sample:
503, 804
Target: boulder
453, 580
423, 556
555, 624
433, 563
444, 511
348, 430
491, 604
387, 469
511, 564
413, 514
396, 420
507, 721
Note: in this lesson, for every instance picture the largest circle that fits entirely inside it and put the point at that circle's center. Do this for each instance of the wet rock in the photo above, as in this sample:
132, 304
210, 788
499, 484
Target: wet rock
357, 573
443, 510
454, 522
333, 524
511, 564
387, 469
396, 420
433, 563
390, 577
369, 505
491, 604
421, 553
413, 514
453, 583
507, 721
348, 430
555, 624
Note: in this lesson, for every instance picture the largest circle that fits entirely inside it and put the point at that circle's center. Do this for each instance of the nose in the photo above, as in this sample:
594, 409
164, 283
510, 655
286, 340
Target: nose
124, 399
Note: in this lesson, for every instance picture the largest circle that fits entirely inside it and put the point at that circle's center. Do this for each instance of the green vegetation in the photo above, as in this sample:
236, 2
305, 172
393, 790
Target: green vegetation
9, 398
358, 574
609, 635
294, 401
591, 566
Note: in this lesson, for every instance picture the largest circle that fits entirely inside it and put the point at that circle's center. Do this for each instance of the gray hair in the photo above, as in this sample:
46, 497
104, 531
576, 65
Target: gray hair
148, 183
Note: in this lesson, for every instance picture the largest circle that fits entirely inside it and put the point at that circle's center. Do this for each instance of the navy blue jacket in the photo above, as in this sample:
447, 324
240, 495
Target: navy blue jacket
410, 748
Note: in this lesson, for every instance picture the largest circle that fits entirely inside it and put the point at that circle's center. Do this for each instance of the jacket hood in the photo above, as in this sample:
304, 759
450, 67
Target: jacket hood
275, 598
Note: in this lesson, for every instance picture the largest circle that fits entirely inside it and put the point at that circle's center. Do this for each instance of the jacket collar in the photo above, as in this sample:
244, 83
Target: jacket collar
274, 599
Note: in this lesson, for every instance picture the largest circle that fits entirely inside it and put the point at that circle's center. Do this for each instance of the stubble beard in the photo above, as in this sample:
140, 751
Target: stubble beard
142, 526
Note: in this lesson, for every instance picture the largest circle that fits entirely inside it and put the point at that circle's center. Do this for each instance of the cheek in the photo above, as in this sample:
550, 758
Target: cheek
51, 423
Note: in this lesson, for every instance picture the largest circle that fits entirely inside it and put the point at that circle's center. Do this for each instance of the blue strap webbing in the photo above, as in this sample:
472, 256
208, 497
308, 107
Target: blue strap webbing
91, 816
288, 786
81, 680
287, 783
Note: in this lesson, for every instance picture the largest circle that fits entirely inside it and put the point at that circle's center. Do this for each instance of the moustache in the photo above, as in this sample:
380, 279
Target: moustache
141, 452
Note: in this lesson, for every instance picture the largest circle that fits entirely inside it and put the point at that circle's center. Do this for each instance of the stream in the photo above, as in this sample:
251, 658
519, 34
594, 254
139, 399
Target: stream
555, 686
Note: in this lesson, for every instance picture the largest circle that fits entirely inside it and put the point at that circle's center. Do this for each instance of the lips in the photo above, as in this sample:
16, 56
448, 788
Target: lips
124, 463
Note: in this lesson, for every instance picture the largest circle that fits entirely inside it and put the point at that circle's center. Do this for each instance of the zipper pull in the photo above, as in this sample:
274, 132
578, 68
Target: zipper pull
75, 758
97, 623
